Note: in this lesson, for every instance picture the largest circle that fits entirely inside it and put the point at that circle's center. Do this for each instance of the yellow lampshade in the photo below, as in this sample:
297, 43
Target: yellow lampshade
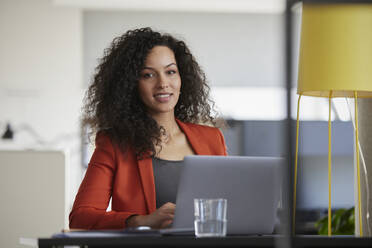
336, 50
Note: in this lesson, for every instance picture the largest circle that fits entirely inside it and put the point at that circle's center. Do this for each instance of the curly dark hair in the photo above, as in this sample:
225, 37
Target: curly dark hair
112, 103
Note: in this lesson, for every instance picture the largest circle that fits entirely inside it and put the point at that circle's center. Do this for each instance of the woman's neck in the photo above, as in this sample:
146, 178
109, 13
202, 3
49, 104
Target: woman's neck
169, 123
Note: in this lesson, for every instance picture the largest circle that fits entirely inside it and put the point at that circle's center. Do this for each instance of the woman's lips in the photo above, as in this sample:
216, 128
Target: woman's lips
163, 97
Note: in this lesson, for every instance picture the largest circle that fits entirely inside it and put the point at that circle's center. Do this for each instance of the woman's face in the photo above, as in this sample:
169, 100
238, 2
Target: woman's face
160, 82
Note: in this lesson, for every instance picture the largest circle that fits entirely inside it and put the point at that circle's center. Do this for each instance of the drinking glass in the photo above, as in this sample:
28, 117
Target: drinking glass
210, 217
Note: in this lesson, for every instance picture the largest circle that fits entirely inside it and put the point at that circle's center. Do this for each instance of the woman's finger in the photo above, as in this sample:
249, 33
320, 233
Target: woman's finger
166, 223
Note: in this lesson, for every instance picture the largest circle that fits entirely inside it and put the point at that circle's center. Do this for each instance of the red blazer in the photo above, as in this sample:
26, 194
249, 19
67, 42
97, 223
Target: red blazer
130, 182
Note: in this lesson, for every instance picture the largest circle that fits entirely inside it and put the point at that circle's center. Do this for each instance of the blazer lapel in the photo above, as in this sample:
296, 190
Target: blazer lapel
196, 143
147, 177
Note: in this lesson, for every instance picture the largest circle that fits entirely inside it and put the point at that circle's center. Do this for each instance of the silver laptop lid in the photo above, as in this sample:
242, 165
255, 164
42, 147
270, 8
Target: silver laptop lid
251, 186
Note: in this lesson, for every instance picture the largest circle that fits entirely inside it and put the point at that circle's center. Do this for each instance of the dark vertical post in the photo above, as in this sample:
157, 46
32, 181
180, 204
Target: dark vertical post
288, 173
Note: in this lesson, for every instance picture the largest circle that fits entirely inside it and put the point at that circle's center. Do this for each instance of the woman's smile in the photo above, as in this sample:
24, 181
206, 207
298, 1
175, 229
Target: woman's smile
163, 97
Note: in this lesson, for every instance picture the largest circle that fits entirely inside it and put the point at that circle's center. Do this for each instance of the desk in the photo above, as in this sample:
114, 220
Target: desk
189, 241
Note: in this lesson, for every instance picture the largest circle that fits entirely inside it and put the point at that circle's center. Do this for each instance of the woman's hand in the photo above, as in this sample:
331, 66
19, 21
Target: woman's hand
160, 218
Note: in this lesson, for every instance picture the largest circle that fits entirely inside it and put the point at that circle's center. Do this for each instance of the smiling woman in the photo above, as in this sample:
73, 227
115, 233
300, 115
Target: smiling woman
146, 106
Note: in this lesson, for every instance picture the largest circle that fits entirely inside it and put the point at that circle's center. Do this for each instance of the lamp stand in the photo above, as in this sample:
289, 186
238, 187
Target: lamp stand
329, 166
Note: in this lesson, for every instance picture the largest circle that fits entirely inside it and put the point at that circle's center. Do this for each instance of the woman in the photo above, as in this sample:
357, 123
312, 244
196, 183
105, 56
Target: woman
144, 103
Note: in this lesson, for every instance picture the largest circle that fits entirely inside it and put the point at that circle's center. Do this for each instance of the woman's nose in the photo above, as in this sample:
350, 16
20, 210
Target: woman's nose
163, 82
163, 86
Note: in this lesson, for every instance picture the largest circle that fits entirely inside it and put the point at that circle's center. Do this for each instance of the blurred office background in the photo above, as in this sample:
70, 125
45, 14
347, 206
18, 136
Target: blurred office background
49, 50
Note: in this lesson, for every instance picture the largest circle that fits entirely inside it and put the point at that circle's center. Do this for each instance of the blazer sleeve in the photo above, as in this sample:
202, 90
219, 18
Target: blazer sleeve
92, 199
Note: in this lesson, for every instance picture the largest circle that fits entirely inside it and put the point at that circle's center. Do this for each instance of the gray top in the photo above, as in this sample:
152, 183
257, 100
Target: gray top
166, 175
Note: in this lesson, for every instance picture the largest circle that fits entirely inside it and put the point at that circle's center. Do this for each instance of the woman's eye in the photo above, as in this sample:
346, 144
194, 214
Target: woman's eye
147, 75
170, 72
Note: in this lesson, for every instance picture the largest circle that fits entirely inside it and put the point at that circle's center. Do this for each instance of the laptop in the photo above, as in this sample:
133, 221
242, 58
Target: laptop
251, 186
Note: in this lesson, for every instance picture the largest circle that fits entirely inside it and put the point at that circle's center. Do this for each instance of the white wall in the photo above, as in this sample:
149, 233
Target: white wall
233, 49
41, 78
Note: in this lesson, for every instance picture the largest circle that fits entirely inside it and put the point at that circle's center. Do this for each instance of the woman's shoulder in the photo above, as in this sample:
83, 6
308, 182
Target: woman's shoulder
102, 138
105, 141
209, 137
200, 130
200, 127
